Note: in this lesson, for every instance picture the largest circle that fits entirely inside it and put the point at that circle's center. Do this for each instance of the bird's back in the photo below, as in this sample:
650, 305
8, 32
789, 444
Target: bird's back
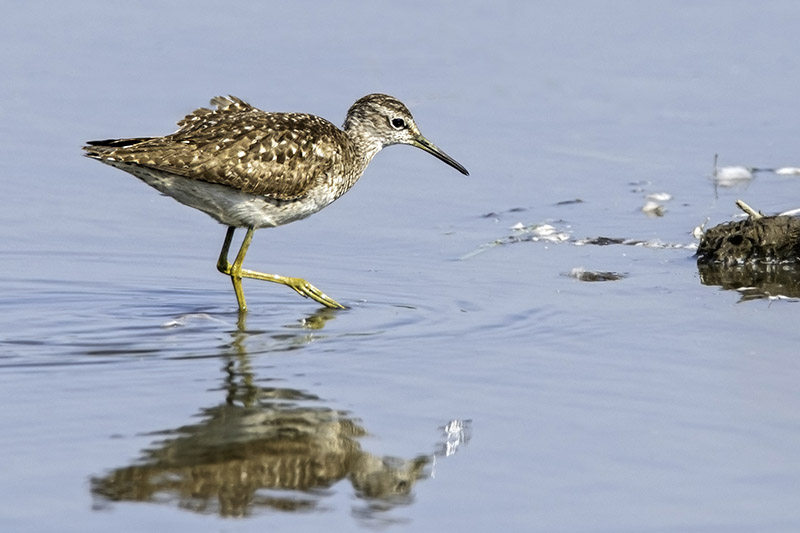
277, 155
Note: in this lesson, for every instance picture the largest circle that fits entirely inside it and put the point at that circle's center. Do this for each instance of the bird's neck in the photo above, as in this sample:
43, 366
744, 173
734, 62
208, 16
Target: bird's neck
364, 140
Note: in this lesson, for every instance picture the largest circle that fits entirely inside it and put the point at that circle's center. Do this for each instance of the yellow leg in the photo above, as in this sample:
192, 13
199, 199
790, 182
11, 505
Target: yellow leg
231, 270
236, 272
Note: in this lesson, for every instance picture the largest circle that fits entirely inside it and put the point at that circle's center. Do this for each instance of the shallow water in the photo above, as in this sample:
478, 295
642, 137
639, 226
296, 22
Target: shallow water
135, 399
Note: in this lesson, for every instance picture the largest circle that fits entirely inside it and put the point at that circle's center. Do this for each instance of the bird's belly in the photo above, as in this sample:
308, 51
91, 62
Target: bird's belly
225, 204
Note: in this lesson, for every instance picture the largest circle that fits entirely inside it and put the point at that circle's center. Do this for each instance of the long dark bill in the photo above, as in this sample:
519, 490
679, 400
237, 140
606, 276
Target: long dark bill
424, 144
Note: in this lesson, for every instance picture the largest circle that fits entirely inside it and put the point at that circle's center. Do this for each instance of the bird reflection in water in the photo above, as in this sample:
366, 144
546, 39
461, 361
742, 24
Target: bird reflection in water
267, 449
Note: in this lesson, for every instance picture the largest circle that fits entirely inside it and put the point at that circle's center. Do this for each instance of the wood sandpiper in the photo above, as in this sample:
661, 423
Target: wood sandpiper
251, 169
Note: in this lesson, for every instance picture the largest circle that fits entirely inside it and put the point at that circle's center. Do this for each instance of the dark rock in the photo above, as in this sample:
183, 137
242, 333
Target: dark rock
773, 239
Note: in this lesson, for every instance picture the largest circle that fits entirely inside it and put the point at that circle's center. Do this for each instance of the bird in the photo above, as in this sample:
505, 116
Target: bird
253, 169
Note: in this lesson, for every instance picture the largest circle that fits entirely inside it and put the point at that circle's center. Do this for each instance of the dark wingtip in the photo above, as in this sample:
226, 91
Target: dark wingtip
116, 143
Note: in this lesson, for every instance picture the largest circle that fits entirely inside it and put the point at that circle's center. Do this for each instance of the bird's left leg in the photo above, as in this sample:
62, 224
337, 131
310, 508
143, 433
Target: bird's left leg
299, 285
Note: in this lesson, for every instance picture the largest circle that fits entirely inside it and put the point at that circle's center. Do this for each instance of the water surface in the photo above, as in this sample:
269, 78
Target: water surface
135, 399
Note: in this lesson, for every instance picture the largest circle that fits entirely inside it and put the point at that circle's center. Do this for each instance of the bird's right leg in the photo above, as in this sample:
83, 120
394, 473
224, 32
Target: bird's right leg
234, 270
222, 264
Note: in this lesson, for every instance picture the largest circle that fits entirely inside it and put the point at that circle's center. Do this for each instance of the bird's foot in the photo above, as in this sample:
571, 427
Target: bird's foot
306, 289
299, 285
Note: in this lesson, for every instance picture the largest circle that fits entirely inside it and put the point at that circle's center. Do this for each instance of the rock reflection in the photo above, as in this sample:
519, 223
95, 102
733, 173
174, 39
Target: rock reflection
754, 281
263, 449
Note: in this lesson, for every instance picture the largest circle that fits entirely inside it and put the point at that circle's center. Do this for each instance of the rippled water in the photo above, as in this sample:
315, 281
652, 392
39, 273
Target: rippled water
474, 383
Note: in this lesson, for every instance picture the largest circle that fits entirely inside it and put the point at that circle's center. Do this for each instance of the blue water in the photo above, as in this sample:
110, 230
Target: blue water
652, 403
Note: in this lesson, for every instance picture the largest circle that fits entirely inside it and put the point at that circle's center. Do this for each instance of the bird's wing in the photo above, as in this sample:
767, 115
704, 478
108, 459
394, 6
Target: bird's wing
278, 155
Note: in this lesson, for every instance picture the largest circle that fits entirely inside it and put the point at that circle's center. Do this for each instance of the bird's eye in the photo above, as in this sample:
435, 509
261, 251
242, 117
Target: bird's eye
398, 123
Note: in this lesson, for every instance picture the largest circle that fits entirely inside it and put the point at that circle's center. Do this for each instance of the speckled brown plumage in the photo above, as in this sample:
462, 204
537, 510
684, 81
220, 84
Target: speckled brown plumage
282, 157
277, 155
